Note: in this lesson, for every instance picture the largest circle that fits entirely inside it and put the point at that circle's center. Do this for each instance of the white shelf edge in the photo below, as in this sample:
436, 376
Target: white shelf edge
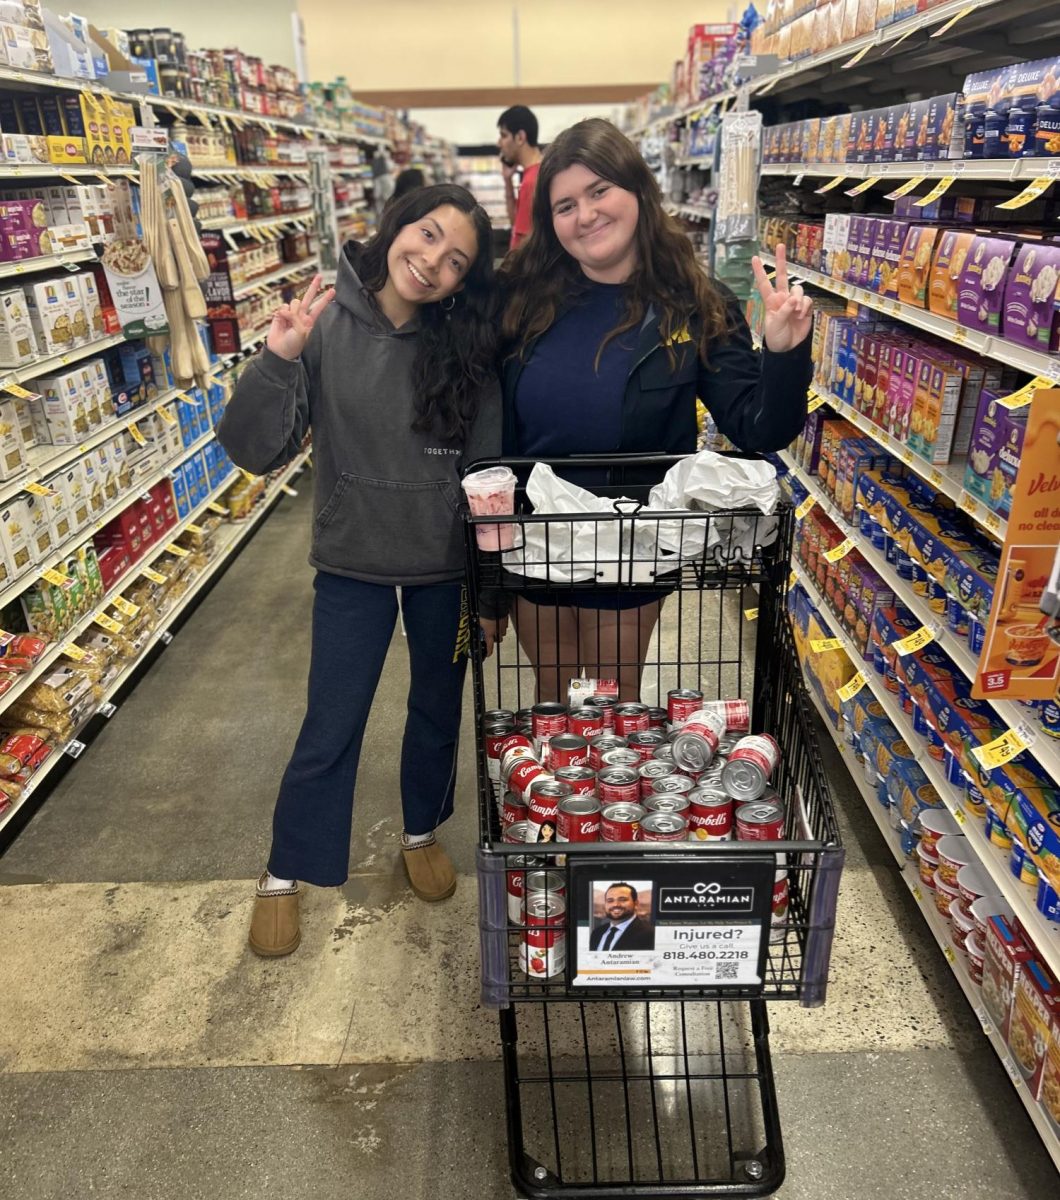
227, 225
55, 362
278, 276
47, 262
989, 170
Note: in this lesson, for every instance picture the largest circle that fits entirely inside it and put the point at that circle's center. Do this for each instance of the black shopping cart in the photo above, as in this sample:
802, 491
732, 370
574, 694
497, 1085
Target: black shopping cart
647, 1074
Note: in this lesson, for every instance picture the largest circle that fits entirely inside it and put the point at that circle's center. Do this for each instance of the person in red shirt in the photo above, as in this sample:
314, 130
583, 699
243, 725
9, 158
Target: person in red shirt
519, 151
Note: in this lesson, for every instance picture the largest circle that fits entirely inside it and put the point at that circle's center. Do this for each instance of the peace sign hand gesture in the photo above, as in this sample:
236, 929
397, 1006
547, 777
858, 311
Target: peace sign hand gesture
292, 322
789, 312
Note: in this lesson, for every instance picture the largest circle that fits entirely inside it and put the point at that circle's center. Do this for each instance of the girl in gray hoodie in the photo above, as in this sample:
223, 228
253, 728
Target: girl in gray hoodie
394, 372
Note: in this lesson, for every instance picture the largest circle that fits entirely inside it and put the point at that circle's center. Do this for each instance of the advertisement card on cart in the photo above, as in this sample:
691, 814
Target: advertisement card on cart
640, 922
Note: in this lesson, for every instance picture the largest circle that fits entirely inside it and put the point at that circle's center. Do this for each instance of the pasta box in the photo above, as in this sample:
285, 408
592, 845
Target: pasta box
915, 265
994, 454
1032, 297
947, 270
981, 292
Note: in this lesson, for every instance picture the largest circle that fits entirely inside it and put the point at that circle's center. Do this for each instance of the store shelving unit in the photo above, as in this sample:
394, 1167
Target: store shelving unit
692, 212
47, 262
56, 362
235, 174
287, 271
997, 170
276, 224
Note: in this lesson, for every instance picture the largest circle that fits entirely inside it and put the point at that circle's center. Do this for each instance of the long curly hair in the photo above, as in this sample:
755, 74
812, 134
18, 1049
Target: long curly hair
540, 279
457, 354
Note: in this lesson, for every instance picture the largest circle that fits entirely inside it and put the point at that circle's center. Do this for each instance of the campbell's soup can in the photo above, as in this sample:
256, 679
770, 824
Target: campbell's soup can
657, 718
737, 714
671, 802
605, 705
494, 737
760, 821
752, 762
600, 745
665, 753
621, 757
514, 740
586, 722
710, 815
578, 820
650, 771
581, 780
672, 785
697, 741
516, 832
511, 758
780, 904
681, 703
631, 718
618, 785
568, 750
543, 883
646, 743
543, 952
513, 809
548, 719
664, 827
524, 774
545, 798
621, 822
517, 868
498, 716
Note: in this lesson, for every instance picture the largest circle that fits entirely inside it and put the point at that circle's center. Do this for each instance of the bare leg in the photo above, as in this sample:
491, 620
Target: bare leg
548, 635
614, 645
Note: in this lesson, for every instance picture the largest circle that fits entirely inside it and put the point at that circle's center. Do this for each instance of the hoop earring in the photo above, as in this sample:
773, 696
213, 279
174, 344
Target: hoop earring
448, 304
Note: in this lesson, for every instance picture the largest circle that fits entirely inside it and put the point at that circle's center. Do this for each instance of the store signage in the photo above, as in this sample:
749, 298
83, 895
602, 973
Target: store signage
690, 924
1021, 653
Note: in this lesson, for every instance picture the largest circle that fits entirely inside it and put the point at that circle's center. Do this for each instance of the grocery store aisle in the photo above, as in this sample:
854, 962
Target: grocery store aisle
144, 1050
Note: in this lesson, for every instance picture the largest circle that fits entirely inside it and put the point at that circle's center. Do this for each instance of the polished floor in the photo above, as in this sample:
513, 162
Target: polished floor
144, 1051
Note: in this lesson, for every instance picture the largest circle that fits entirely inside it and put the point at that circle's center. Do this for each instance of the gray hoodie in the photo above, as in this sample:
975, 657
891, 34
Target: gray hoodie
386, 496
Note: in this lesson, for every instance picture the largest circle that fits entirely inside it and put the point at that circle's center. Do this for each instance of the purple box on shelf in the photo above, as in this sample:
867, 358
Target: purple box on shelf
981, 293
994, 455
1032, 306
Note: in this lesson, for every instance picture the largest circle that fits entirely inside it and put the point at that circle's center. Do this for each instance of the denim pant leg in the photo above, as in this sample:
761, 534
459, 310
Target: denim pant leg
436, 623
353, 623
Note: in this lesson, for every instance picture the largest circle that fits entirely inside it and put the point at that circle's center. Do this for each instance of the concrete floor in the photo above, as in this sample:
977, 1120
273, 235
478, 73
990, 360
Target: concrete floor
144, 1051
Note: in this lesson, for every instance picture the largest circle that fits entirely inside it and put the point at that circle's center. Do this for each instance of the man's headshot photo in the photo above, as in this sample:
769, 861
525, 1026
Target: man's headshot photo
622, 916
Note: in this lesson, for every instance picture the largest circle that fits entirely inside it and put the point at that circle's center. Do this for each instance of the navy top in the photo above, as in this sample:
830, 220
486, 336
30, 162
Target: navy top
564, 403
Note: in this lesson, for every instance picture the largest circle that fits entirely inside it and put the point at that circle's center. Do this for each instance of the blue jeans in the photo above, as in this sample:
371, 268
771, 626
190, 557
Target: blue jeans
353, 624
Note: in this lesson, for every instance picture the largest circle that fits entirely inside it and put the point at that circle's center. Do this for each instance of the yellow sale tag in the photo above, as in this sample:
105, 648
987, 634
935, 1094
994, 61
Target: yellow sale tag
55, 578
287, 490
135, 434
950, 956
849, 690
968, 503
196, 529
906, 455
815, 404
918, 895
821, 645
1001, 750
184, 398
1034, 189
1025, 394
840, 551
793, 579
126, 607
936, 478
166, 414
959, 335
179, 551
751, 614
959, 815
16, 389
940, 189
38, 489
915, 641
74, 652
993, 522
154, 576
805, 507
831, 185
109, 625
853, 62
863, 186
953, 20
220, 509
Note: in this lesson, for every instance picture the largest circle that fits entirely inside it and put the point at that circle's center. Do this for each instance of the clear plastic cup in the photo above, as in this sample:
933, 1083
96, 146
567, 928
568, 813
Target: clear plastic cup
491, 493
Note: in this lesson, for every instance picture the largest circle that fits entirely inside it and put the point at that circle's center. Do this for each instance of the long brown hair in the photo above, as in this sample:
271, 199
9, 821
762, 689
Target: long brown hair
541, 277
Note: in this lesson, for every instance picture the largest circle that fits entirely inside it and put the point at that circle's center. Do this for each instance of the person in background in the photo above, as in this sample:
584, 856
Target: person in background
407, 181
519, 152
397, 381
611, 329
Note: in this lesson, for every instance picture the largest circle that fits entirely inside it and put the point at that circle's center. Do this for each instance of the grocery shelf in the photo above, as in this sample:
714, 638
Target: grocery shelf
692, 211
238, 534
704, 161
248, 174
278, 276
1021, 357
933, 918
264, 224
47, 262
1043, 749
55, 362
57, 170
351, 209
1044, 934
991, 170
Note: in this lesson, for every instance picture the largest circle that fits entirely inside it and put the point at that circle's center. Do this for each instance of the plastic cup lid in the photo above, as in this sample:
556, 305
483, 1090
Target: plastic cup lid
488, 477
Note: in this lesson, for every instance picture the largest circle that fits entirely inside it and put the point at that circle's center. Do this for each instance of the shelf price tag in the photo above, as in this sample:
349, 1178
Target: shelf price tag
959, 815
184, 398
849, 690
939, 190
953, 20
54, 577
154, 576
220, 509
815, 403
1025, 394
21, 393
135, 434
751, 614
38, 489
840, 551
793, 579
853, 62
935, 478
831, 185
804, 507
864, 185
918, 895
950, 956
915, 641
197, 530
165, 413
125, 607
70, 650
287, 489
823, 645
1001, 750
110, 625
179, 551
1034, 189
993, 523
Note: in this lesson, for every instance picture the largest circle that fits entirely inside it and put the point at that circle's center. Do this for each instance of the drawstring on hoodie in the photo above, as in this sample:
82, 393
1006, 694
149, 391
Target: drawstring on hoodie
401, 612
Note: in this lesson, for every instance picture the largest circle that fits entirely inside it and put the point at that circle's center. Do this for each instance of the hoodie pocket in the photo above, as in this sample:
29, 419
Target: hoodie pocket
392, 530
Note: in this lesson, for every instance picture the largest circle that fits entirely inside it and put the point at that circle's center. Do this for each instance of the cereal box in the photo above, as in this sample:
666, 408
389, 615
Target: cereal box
1006, 955
1032, 297
981, 292
1033, 1009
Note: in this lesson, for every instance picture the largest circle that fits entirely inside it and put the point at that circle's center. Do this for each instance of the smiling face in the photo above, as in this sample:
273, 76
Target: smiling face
619, 904
595, 221
429, 259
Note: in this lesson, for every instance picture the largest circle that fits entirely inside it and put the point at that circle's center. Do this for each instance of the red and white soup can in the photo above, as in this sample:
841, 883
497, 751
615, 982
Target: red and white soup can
747, 770
710, 817
578, 820
581, 780
543, 953
618, 785
681, 703
631, 718
664, 827
621, 822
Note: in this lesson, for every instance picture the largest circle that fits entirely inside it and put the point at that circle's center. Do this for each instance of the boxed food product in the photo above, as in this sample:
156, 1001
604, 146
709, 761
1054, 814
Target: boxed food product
35, 514
950, 258
994, 454
1032, 297
939, 136
1034, 1007
18, 345
1005, 958
72, 483
915, 267
24, 229
59, 511
935, 408
73, 299
63, 409
91, 303
981, 292
50, 316
12, 449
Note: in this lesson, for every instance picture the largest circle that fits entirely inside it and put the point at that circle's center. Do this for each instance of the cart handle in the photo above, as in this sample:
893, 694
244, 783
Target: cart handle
655, 459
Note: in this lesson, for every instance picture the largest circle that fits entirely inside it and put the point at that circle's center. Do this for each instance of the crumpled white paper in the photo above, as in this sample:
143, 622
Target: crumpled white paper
635, 551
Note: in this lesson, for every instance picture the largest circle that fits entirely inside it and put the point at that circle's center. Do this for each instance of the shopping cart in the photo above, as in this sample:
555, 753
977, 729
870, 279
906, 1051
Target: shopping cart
655, 1082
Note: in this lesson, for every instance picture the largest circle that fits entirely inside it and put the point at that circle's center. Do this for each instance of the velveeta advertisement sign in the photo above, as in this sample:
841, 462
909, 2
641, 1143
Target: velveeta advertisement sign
1021, 660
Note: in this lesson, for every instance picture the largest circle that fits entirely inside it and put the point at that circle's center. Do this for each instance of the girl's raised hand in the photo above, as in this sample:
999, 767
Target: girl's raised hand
789, 311
293, 322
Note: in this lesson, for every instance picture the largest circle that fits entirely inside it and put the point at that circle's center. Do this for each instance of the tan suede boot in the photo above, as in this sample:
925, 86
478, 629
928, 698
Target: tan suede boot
430, 872
274, 926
